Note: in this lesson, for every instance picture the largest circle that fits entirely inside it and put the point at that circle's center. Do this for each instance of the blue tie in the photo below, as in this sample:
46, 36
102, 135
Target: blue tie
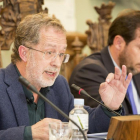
131, 99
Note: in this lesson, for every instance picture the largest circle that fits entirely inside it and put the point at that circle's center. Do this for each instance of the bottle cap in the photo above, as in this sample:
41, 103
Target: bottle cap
78, 101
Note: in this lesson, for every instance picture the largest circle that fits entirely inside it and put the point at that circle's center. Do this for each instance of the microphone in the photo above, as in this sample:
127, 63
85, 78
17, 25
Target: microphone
27, 84
82, 91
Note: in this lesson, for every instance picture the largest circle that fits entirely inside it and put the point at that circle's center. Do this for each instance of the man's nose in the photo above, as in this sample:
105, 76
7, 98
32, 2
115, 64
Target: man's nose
56, 60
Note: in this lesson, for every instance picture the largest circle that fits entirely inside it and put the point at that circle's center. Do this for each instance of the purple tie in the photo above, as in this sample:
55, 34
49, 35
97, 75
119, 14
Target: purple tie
131, 99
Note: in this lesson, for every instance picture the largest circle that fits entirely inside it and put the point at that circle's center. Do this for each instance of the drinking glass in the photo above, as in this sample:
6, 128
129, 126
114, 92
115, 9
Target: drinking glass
60, 131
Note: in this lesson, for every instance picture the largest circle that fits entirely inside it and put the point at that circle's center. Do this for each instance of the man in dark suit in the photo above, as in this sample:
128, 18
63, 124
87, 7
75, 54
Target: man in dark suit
123, 49
38, 53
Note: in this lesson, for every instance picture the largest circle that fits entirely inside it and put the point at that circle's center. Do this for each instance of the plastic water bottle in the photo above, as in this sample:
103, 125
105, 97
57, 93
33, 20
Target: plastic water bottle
81, 117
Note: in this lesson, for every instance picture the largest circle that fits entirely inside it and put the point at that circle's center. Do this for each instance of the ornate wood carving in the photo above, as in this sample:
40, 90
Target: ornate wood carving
76, 41
77, 47
98, 32
12, 13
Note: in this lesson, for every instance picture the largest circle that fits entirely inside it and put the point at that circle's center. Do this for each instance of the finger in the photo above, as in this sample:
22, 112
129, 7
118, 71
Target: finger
46, 121
110, 77
51, 120
54, 120
123, 75
102, 87
129, 78
117, 73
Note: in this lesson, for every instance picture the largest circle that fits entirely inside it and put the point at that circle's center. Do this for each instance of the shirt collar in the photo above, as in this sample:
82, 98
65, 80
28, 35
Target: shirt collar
115, 64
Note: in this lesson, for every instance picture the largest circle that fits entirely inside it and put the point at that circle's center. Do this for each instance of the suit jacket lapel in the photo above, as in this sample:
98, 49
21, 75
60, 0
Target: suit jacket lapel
17, 96
50, 112
136, 79
107, 61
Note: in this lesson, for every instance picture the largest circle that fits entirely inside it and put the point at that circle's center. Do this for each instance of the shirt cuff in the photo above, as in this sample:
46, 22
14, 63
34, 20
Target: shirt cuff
110, 114
27, 133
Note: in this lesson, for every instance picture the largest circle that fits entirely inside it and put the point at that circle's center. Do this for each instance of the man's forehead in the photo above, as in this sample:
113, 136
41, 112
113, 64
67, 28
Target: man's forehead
54, 36
51, 38
51, 44
53, 30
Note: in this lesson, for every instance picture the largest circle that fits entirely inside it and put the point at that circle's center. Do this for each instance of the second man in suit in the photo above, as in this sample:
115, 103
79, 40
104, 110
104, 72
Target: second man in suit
123, 49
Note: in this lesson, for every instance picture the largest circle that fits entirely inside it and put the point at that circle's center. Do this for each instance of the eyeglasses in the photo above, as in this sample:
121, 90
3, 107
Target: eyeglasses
52, 55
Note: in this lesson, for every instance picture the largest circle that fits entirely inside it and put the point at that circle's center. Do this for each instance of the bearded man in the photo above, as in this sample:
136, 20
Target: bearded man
123, 49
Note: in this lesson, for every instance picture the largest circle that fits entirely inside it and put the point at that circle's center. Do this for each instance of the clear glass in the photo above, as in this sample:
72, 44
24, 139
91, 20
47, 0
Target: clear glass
83, 114
60, 131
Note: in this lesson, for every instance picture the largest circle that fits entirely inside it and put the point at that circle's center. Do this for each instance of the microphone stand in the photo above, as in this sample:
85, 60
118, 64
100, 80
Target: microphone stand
32, 88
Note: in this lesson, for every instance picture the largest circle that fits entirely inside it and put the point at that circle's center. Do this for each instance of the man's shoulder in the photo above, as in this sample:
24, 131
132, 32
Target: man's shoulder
2, 71
8, 74
98, 60
91, 62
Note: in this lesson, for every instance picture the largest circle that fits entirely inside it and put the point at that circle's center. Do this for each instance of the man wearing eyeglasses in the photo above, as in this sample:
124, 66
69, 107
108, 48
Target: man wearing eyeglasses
38, 53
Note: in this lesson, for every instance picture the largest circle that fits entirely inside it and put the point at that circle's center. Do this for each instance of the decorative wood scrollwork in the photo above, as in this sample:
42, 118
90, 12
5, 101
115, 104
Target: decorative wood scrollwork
12, 12
98, 32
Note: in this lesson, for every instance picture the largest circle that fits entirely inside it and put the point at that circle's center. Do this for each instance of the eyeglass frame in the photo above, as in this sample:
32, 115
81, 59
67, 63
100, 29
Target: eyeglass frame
66, 56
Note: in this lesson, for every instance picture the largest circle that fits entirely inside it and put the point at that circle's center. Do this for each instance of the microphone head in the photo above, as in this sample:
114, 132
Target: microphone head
75, 87
80, 90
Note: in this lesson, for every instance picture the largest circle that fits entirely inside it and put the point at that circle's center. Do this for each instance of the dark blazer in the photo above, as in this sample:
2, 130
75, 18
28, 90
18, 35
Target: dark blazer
14, 111
91, 72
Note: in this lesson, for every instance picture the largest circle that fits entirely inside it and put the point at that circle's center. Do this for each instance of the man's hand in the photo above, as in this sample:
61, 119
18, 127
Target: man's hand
40, 130
113, 90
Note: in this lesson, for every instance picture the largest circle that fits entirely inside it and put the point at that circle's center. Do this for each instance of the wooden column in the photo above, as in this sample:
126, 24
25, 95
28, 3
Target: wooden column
76, 41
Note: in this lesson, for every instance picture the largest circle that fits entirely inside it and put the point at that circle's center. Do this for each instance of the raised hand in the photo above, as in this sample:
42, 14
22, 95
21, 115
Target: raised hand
113, 90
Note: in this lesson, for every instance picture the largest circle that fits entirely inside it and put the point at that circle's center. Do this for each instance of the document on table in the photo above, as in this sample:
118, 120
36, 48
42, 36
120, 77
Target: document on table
97, 136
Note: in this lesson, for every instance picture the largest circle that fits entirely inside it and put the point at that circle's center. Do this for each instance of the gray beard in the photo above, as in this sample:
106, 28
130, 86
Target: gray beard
123, 58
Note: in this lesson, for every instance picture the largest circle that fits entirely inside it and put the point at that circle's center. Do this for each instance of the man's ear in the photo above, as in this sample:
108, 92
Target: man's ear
119, 42
22, 53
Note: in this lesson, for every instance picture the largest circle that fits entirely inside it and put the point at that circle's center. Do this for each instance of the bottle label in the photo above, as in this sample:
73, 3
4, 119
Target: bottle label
81, 120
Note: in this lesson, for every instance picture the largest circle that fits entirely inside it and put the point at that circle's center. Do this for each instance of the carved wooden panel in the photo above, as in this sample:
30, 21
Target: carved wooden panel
12, 13
98, 32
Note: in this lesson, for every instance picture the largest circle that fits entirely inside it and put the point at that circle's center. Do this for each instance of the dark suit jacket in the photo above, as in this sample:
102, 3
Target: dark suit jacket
91, 72
14, 111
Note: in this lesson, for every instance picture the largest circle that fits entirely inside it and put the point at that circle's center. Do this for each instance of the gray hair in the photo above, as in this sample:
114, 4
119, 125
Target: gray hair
28, 31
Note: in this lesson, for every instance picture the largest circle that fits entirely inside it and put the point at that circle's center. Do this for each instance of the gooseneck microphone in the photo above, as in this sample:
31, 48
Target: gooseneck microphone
27, 84
82, 91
